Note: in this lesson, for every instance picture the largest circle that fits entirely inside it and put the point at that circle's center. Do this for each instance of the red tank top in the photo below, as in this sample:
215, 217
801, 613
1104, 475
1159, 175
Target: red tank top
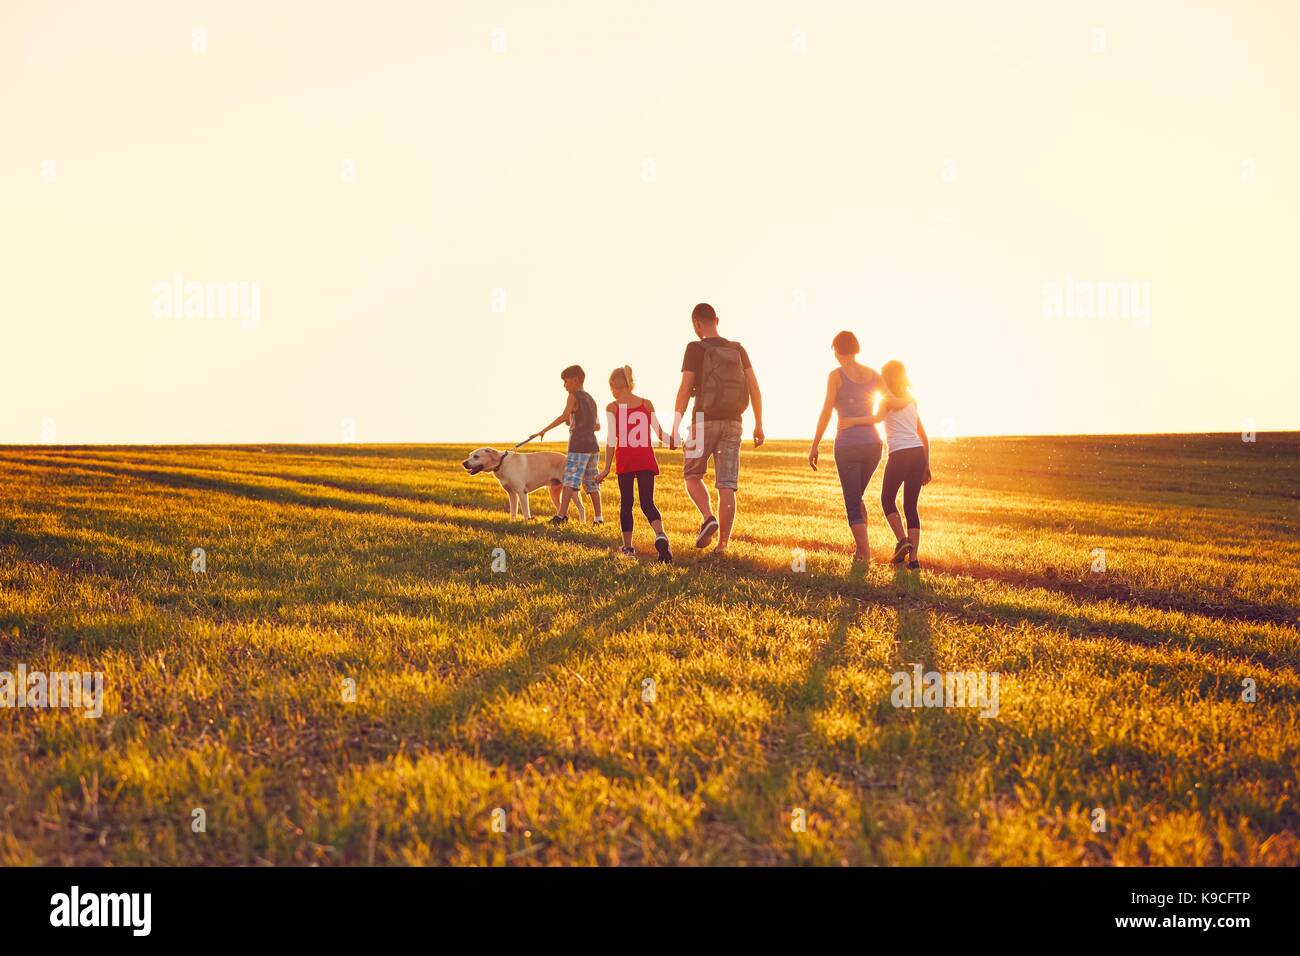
634, 451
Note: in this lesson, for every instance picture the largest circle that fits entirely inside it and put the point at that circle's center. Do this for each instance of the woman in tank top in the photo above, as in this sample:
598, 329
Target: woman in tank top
908, 466
850, 393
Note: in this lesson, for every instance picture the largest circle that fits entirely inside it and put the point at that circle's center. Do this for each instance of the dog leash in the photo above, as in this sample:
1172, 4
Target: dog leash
507, 454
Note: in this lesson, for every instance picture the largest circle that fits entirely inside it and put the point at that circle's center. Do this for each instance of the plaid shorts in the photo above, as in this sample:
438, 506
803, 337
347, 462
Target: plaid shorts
580, 470
719, 440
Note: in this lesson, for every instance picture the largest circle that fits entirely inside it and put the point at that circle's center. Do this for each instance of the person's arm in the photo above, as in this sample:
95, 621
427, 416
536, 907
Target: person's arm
925, 440
684, 392
611, 446
824, 419
564, 415
655, 424
756, 400
888, 403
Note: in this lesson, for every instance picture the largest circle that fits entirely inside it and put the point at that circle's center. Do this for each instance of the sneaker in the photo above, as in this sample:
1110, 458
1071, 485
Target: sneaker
627, 552
597, 520
665, 552
559, 519
901, 552
914, 565
707, 530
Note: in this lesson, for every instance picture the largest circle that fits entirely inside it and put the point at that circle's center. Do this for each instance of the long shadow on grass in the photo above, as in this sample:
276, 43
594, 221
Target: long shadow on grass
372, 487
757, 794
817, 583
540, 656
907, 587
291, 496
1084, 589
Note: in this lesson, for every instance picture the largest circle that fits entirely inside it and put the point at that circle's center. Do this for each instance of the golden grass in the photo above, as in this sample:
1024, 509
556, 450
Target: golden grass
523, 690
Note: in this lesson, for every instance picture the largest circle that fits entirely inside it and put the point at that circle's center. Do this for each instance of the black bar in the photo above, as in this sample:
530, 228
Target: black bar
339, 906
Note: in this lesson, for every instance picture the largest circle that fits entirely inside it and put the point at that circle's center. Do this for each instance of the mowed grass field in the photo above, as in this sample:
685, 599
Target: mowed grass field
524, 690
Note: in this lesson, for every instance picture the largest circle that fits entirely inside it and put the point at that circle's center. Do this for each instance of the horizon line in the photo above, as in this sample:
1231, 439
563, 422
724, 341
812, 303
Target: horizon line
768, 440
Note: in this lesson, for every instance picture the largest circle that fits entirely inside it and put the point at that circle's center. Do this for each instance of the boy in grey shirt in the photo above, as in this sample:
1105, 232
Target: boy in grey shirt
581, 462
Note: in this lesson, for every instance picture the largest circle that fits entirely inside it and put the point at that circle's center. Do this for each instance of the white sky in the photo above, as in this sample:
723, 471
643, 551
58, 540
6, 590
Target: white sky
781, 175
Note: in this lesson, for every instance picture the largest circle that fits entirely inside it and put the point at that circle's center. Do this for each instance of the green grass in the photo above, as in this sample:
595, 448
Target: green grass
522, 690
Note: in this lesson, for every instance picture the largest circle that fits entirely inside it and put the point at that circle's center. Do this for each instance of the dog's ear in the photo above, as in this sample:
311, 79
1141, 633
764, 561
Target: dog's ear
492, 456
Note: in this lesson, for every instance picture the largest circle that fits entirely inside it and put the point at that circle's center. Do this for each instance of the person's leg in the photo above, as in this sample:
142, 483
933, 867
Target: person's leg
896, 525
895, 469
645, 481
726, 474
625, 507
697, 463
849, 467
589, 472
645, 484
911, 496
870, 459
699, 495
566, 498
572, 482
726, 516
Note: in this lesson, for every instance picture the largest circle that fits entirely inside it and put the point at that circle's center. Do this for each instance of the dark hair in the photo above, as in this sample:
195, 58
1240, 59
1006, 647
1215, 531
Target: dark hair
574, 371
704, 313
846, 343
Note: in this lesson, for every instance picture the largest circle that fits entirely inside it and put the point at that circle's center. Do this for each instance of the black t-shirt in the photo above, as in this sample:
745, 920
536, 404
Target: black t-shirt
693, 361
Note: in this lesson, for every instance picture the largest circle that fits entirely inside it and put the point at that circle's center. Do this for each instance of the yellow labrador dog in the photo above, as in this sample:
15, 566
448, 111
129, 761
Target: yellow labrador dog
520, 475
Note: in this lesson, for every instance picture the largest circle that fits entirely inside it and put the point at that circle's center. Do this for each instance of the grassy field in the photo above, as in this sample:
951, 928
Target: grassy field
524, 689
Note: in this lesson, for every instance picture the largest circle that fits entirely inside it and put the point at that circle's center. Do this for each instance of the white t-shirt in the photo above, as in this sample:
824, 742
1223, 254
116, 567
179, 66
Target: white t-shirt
900, 428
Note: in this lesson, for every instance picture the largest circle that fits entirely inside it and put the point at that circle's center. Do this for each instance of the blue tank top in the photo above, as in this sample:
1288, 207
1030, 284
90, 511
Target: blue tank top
853, 400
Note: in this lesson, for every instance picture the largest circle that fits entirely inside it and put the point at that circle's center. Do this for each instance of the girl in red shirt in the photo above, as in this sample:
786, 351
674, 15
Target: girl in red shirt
632, 421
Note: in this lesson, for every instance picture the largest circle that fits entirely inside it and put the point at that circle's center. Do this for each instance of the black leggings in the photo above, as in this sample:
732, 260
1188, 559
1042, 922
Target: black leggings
645, 481
906, 468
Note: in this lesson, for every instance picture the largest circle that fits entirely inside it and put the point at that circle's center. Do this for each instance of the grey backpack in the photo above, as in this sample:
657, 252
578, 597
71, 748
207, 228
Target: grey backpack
722, 391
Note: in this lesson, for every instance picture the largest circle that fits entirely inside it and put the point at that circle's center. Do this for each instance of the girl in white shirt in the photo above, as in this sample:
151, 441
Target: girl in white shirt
908, 465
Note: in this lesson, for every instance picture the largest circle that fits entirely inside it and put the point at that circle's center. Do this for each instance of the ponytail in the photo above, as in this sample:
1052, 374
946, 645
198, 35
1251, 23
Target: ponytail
624, 373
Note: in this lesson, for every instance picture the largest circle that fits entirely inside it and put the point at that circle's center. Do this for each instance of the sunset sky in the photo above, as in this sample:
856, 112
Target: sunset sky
438, 206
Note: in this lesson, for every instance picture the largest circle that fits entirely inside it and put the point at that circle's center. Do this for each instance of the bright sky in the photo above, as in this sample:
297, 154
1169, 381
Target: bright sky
438, 206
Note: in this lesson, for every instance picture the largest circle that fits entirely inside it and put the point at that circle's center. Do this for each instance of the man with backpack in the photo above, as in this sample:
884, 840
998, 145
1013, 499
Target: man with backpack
717, 372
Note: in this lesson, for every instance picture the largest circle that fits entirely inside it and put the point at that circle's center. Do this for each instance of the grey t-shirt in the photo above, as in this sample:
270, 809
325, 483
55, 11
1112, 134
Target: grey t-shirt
582, 433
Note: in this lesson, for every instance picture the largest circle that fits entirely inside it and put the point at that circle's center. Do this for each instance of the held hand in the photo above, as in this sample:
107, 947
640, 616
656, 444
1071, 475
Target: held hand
812, 457
759, 437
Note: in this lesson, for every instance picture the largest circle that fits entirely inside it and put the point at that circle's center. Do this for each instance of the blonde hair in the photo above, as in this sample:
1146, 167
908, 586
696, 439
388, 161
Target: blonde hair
623, 377
895, 376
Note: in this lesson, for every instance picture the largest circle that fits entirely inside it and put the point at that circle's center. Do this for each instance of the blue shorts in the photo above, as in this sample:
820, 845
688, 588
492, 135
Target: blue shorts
580, 471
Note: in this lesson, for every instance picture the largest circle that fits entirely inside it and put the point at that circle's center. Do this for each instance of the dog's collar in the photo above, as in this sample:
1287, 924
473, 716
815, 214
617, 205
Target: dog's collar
499, 464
